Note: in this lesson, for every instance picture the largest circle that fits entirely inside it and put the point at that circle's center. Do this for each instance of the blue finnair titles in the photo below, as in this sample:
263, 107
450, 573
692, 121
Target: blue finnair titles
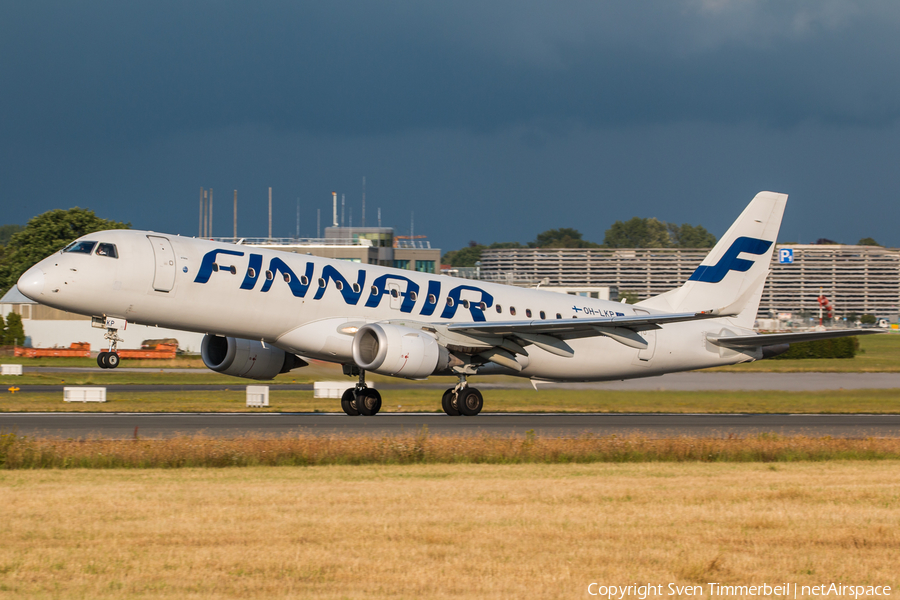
350, 292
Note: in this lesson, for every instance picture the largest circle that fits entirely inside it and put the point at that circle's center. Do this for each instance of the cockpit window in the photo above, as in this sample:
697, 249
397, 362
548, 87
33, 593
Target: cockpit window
107, 250
80, 247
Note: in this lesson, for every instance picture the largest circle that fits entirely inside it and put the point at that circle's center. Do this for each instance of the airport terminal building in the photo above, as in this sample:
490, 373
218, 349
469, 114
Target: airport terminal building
366, 245
856, 279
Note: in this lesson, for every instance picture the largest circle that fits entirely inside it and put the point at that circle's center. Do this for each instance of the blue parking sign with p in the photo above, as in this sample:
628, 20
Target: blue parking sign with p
786, 256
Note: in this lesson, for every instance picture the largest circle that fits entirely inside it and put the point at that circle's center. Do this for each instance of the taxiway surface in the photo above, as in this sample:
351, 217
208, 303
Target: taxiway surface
693, 381
120, 425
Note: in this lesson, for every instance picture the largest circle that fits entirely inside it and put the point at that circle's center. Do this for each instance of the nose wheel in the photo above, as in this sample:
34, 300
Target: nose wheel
108, 360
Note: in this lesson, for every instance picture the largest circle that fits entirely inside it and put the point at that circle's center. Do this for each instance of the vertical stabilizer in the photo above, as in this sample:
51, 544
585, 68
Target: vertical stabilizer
733, 274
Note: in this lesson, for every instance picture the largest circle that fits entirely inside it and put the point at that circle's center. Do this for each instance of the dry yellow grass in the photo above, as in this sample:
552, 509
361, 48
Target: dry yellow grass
22, 452
444, 531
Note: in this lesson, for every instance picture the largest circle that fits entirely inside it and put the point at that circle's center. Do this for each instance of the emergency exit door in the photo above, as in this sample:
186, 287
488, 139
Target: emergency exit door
164, 258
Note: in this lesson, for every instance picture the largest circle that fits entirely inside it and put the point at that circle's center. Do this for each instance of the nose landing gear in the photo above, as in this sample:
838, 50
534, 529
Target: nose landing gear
110, 358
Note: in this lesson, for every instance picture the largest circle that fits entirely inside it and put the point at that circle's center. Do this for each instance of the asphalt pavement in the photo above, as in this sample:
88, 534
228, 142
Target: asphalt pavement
122, 425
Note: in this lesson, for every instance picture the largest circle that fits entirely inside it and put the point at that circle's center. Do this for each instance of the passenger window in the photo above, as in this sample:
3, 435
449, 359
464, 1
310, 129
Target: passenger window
339, 285
251, 273
558, 316
432, 299
395, 293
465, 303
269, 275
512, 310
321, 282
449, 301
413, 296
107, 250
482, 305
304, 280
80, 247
215, 267
499, 309
543, 316
287, 277
355, 288
528, 312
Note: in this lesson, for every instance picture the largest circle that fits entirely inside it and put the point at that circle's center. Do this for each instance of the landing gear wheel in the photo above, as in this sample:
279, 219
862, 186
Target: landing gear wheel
112, 360
470, 402
368, 402
449, 404
348, 402
101, 360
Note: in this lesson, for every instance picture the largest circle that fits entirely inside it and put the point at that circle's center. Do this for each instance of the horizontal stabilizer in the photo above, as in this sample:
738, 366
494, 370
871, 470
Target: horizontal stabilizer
772, 339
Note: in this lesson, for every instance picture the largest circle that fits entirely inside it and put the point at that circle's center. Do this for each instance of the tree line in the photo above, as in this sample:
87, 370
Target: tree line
634, 233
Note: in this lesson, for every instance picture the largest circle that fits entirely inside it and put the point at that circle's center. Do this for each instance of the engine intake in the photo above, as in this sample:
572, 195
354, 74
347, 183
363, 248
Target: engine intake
246, 358
398, 351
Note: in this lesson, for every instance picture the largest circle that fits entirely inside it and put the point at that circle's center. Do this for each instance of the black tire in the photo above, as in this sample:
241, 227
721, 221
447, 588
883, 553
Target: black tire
112, 360
470, 402
368, 402
348, 403
448, 405
101, 360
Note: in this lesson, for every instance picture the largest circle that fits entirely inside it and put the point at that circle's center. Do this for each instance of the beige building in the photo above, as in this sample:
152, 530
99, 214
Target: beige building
856, 279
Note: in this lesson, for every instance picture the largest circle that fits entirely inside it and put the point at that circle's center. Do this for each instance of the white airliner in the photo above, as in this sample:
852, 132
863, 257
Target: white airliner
263, 309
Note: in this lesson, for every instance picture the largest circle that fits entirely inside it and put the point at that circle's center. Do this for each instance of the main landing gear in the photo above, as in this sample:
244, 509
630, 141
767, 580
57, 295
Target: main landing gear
366, 401
462, 400
361, 399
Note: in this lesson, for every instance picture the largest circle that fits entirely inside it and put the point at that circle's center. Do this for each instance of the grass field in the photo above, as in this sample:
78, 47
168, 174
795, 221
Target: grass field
444, 531
496, 400
420, 447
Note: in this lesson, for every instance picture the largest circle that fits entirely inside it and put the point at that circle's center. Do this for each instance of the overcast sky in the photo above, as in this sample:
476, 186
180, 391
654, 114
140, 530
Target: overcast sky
491, 121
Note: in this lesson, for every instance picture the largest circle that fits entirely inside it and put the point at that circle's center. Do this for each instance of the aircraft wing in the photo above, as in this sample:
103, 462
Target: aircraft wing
561, 327
772, 339
550, 334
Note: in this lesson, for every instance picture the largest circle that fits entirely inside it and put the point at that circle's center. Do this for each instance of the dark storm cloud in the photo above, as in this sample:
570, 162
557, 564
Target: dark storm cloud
113, 71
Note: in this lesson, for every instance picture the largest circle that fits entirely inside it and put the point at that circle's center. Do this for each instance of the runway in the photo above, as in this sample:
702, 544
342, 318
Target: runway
122, 425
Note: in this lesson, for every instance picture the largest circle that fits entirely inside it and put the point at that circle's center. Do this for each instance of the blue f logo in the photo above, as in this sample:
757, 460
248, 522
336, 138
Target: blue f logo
730, 261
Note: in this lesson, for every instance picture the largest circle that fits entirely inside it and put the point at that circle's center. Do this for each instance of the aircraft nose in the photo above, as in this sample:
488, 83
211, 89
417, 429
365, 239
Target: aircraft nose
31, 283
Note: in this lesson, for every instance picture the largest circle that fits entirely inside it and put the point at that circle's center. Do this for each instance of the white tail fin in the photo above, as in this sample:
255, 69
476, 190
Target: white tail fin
732, 276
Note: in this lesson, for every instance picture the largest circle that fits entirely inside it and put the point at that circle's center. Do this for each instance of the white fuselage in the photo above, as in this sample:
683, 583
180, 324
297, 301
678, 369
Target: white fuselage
311, 306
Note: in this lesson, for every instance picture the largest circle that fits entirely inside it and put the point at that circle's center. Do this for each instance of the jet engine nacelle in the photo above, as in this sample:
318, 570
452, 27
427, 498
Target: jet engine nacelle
246, 358
398, 351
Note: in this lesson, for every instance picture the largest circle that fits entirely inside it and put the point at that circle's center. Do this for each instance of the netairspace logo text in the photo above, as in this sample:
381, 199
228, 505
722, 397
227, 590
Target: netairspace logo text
787, 590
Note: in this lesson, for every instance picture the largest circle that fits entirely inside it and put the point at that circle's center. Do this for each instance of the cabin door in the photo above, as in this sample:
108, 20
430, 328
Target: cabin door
164, 261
